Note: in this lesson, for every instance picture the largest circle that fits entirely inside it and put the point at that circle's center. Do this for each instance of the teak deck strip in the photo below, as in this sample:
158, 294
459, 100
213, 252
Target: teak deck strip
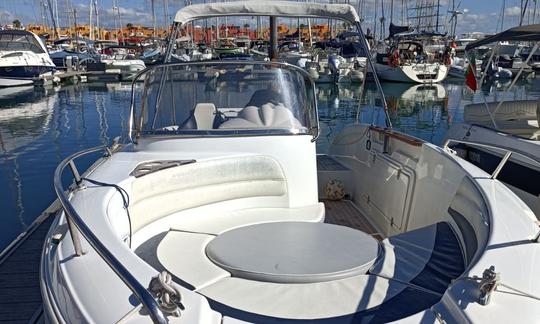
343, 212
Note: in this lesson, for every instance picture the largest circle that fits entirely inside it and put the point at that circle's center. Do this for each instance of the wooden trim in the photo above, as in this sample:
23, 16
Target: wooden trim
398, 136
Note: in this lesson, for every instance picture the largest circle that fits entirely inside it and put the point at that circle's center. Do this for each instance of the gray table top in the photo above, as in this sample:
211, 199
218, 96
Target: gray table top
294, 252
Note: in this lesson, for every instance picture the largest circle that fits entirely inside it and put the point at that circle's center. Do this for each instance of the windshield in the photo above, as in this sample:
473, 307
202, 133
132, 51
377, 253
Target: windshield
221, 98
13, 42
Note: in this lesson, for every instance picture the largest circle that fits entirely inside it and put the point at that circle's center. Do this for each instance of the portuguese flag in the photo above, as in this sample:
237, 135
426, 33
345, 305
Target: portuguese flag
470, 74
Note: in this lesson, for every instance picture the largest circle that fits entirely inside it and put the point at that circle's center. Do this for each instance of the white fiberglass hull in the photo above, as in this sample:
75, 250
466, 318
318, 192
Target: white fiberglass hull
128, 68
413, 73
520, 174
23, 67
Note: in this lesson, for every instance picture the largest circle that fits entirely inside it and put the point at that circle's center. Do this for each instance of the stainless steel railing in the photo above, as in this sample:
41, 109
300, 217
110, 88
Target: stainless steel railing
508, 153
77, 225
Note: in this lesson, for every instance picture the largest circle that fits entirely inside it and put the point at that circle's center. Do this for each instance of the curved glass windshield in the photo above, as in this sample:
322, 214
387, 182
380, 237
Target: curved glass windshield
16, 42
216, 98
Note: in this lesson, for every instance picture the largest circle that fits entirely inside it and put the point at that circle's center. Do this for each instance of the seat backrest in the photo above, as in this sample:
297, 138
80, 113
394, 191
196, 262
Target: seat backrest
205, 114
168, 191
266, 116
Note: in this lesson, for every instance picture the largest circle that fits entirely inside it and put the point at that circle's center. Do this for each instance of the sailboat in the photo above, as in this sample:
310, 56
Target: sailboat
406, 59
220, 210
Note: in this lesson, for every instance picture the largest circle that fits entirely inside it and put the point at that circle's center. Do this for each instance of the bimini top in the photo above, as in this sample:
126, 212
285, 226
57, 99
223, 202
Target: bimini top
529, 33
267, 8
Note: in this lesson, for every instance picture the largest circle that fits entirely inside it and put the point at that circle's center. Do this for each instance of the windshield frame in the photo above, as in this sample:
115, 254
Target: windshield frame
135, 127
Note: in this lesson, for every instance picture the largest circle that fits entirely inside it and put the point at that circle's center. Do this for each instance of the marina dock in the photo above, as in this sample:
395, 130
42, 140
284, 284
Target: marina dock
20, 293
76, 76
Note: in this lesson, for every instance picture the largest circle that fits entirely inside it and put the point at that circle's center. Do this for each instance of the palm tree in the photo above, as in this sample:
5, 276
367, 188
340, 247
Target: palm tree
17, 23
129, 27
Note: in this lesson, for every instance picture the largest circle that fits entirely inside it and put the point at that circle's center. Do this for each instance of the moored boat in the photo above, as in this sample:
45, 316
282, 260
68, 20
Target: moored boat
23, 58
211, 212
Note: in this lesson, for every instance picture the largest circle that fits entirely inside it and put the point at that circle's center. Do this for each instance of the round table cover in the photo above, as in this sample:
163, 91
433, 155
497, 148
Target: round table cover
294, 252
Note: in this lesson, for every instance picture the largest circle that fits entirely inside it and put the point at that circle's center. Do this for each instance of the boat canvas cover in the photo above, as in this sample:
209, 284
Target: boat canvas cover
267, 8
529, 33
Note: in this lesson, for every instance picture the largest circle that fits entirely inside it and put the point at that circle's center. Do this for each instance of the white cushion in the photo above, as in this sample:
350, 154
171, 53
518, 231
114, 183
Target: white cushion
303, 301
405, 255
267, 116
204, 182
182, 251
183, 255
205, 114
217, 223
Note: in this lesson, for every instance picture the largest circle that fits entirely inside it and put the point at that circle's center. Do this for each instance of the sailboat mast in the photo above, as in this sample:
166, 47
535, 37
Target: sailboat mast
57, 19
166, 13
524, 5
503, 11
55, 29
375, 20
90, 19
153, 17
391, 11
438, 12
97, 19
534, 12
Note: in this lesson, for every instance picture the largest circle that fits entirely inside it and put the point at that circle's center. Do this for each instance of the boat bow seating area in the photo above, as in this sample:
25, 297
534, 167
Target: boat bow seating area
418, 264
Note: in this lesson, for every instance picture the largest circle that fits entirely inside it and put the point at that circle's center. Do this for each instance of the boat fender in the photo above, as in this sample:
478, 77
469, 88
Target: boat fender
393, 59
334, 190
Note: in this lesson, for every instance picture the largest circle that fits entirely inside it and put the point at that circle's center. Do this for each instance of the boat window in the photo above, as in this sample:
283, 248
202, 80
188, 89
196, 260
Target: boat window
226, 98
14, 42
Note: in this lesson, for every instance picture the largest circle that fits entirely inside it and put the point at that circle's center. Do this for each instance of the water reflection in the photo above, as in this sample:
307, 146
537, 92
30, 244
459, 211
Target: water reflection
424, 111
25, 114
38, 128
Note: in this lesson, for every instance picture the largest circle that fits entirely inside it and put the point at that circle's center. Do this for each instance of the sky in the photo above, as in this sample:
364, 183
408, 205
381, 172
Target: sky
478, 15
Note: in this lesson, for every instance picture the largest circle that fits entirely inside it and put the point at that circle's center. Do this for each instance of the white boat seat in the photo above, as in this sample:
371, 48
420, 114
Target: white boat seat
218, 223
205, 114
366, 297
240, 298
182, 251
183, 255
203, 117
203, 183
267, 116
429, 257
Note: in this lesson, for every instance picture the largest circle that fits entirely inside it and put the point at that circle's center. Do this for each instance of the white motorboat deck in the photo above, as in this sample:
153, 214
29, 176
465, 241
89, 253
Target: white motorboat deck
232, 168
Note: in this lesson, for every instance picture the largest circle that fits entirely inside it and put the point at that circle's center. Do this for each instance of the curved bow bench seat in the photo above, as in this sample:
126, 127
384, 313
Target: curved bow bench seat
405, 280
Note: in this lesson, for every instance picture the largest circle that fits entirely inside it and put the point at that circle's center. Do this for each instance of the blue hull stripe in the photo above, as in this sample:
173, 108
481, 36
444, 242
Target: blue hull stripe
24, 72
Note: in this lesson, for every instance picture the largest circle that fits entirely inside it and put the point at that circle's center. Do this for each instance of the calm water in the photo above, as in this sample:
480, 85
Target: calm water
39, 128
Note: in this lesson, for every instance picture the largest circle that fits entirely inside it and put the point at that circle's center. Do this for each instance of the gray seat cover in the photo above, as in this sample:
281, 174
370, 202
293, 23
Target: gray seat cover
293, 252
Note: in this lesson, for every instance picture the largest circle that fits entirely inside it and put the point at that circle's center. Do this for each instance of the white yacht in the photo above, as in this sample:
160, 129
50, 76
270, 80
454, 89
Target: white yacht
212, 212
124, 59
406, 61
23, 57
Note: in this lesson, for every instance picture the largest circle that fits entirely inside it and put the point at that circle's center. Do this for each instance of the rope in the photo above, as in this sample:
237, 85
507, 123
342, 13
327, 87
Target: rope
125, 200
168, 295
490, 281
525, 294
